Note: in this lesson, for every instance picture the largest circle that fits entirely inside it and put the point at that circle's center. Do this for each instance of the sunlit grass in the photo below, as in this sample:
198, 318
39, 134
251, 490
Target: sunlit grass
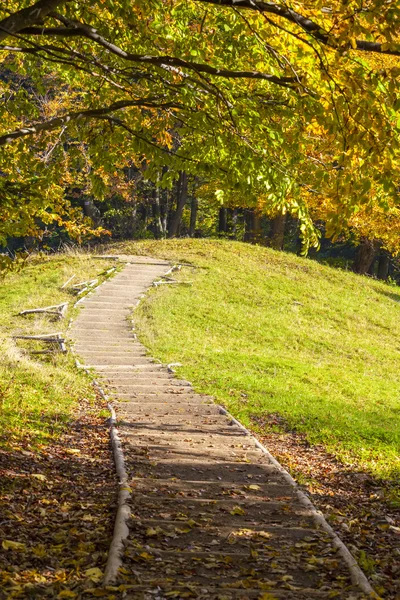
38, 394
267, 332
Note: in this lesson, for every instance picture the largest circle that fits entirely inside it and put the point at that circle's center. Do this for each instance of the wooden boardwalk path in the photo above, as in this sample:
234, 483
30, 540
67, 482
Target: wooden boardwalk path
212, 516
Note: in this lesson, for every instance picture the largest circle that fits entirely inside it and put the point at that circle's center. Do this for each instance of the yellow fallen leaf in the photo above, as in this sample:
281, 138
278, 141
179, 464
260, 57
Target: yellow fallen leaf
145, 556
94, 574
39, 476
151, 531
192, 523
67, 594
10, 545
72, 451
253, 487
182, 530
41, 552
237, 511
126, 488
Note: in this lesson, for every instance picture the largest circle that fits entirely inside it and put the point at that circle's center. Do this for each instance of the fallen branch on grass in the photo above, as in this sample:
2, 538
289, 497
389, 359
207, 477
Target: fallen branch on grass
171, 282
58, 310
84, 284
172, 269
109, 271
49, 338
68, 281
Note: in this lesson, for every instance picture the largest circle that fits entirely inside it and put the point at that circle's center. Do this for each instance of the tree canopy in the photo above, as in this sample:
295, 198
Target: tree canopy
289, 106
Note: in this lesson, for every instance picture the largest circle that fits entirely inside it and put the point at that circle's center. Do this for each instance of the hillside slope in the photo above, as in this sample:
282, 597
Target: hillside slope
284, 342
58, 489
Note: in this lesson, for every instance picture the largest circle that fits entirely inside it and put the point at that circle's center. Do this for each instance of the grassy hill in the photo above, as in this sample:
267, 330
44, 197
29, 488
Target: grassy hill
38, 394
285, 342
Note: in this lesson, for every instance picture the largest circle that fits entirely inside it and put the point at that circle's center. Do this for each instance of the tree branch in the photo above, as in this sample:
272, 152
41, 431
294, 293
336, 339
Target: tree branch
306, 24
80, 115
82, 30
27, 16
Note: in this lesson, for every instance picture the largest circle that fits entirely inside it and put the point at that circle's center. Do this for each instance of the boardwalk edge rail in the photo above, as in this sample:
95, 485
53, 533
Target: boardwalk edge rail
358, 577
121, 528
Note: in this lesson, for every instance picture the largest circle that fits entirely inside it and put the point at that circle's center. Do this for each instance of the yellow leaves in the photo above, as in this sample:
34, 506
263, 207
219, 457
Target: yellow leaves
98, 593
145, 556
187, 593
88, 518
237, 510
125, 488
39, 476
39, 551
154, 531
15, 546
94, 574
191, 523
253, 487
72, 451
67, 594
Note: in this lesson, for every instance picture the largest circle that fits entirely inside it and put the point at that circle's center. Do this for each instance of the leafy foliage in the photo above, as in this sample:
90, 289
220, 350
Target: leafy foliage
288, 110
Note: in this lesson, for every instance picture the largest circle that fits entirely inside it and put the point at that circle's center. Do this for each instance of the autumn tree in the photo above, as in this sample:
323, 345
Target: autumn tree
273, 104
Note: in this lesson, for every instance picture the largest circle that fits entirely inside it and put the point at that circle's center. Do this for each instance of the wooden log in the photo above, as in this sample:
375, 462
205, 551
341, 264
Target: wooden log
46, 337
57, 309
68, 281
88, 283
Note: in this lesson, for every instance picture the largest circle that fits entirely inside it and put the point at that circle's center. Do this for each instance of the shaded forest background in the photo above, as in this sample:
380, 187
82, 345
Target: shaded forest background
146, 211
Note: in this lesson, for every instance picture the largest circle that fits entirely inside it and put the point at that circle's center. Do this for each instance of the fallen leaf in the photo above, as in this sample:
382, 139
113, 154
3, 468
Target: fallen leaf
94, 574
10, 545
39, 476
237, 511
67, 594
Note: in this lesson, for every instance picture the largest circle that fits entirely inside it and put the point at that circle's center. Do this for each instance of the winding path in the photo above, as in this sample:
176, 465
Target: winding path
212, 515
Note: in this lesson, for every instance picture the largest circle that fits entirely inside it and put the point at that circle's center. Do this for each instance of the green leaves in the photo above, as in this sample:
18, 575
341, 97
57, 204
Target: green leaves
208, 113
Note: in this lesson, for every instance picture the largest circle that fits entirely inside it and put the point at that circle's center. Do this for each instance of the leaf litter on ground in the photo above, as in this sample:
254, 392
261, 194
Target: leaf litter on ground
357, 505
57, 504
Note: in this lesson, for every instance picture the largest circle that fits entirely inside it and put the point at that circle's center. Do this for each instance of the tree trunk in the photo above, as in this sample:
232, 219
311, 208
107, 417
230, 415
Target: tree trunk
371, 269
234, 216
182, 193
252, 231
222, 222
256, 225
91, 211
383, 265
157, 216
277, 234
159, 228
365, 255
194, 206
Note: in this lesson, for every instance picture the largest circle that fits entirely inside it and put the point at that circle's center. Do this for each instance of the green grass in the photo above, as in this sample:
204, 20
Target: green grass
268, 332
39, 394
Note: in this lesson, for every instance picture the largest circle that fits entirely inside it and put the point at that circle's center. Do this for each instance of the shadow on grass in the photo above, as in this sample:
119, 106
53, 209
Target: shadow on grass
392, 295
